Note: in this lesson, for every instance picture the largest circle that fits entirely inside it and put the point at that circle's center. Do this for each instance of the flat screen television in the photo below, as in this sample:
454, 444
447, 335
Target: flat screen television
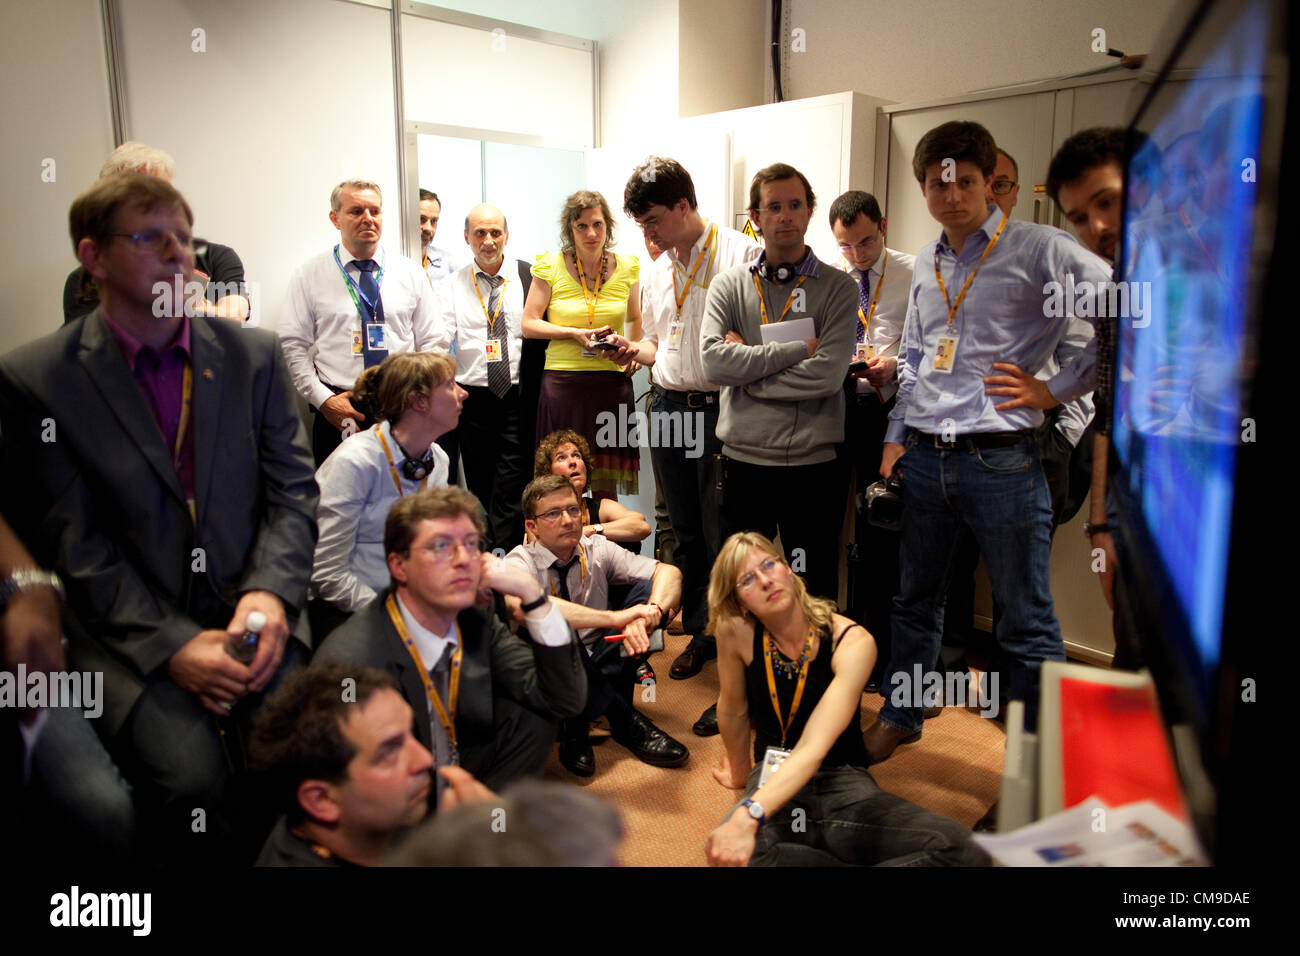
1197, 479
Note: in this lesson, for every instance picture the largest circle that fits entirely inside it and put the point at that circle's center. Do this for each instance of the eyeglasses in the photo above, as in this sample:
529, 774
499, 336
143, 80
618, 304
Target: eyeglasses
573, 511
444, 548
1003, 186
768, 568
157, 240
863, 246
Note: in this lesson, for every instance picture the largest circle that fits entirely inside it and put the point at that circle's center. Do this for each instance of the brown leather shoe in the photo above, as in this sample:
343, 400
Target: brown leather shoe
882, 740
691, 661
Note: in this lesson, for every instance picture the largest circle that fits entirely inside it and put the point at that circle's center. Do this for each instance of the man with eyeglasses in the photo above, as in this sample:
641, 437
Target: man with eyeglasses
157, 463
485, 699
883, 277
578, 574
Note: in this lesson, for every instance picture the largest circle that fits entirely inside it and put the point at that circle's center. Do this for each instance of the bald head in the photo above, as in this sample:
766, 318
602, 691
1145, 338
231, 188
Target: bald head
487, 233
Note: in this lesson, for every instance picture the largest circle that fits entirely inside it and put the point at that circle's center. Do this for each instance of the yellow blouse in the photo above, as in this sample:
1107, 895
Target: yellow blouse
569, 308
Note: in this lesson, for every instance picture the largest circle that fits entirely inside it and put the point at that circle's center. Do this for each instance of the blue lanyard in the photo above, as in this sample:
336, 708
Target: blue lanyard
354, 290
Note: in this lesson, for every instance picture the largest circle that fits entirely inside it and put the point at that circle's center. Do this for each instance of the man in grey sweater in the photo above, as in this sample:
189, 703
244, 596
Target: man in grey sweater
777, 336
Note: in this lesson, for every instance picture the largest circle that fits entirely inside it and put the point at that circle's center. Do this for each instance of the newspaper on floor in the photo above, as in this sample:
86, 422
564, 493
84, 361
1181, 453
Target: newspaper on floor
1094, 834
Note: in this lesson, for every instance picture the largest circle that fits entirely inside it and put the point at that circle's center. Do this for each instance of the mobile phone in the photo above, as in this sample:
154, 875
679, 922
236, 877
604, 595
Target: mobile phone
857, 367
604, 346
656, 644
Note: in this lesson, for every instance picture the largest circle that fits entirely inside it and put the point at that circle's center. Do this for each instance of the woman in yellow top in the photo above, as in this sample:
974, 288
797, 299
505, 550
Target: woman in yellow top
591, 301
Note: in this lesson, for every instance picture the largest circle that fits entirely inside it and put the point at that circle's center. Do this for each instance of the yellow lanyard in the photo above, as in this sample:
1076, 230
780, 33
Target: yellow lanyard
953, 307
708, 247
392, 468
582, 573
582, 280
182, 426
501, 300
769, 648
875, 297
762, 303
446, 715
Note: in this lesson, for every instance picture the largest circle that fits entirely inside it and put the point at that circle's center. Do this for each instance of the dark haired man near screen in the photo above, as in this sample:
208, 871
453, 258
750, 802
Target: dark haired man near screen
884, 277
354, 303
164, 474
660, 198
783, 400
970, 420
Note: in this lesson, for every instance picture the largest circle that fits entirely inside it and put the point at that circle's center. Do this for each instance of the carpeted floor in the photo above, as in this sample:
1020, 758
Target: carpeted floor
954, 769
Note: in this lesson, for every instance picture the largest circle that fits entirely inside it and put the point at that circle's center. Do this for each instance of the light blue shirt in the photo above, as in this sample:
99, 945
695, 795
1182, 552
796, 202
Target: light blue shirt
1003, 318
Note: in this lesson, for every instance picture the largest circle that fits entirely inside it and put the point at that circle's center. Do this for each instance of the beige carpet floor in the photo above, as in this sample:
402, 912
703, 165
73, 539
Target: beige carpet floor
954, 769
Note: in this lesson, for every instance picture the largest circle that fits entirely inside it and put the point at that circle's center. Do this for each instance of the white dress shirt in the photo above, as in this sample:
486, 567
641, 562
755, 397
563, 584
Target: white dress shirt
356, 492
886, 329
679, 369
441, 263
321, 313
464, 318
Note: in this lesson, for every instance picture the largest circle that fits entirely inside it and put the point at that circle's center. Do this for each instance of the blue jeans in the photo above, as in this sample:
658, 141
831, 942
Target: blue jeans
1000, 494
842, 818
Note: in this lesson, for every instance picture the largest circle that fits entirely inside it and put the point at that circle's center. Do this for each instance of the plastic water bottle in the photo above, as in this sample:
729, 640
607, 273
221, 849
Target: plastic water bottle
243, 648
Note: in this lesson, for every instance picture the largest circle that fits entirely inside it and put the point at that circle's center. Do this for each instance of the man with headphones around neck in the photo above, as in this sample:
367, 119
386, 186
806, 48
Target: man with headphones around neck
777, 336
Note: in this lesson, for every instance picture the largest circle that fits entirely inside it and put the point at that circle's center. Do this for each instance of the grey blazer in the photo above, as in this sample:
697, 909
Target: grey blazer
89, 484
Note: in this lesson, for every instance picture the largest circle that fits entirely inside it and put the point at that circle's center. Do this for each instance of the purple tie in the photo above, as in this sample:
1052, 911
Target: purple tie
864, 302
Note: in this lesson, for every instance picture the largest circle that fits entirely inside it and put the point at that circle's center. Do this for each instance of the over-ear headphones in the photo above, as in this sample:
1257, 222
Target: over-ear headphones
782, 273
417, 469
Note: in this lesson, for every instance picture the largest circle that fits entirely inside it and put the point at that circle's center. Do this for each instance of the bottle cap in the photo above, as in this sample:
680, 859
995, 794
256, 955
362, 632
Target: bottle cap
255, 621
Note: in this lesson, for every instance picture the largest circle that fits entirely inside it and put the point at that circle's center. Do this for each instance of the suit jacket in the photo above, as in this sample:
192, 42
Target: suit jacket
494, 663
90, 485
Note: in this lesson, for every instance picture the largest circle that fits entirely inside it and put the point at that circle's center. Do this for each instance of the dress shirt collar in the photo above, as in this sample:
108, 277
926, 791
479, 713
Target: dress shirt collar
807, 266
429, 644
345, 257
988, 227
132, 347
874, 268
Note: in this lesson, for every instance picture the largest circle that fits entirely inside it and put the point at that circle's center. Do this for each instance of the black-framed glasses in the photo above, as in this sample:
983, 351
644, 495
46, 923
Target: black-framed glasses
573, 511
157, 240
1004, 186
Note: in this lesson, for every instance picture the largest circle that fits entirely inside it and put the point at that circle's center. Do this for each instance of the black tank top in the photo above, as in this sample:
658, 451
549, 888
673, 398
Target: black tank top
848, 748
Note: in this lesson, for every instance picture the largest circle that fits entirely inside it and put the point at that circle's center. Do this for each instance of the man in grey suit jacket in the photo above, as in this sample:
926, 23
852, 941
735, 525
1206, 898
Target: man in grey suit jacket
483, 697
157, 462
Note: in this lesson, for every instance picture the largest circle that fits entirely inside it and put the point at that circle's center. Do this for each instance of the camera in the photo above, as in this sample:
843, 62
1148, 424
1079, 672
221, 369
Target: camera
882, 503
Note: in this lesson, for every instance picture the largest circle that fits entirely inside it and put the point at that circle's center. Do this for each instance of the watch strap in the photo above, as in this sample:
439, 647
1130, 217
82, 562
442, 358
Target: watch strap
533, 605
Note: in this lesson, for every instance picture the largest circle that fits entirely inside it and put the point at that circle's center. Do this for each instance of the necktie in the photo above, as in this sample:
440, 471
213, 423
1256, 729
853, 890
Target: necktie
441, 674
864, 302
498, 372
563, 571
374, 308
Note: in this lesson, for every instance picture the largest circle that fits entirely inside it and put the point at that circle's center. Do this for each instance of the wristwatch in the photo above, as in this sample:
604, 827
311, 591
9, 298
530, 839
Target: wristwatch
534, 605
1090, 529
26, 578
755, 810
598, 528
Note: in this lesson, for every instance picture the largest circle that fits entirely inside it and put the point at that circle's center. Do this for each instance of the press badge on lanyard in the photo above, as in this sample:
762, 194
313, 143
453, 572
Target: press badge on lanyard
492, 350
675, 335
772, 760
946, 352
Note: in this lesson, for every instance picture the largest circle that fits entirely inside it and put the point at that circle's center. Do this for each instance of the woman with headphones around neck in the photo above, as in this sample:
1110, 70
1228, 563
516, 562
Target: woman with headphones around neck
413, 397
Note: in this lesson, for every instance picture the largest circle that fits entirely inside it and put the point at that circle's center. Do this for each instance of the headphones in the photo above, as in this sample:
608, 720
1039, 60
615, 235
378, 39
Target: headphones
781, 273
417, 469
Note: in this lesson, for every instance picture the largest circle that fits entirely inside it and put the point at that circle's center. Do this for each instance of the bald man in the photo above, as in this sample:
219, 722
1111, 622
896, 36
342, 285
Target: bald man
482, 305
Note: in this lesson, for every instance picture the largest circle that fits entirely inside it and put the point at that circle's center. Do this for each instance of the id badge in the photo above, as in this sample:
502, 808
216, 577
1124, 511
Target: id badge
375, 336
772, 761
864, 353
675, 336
947, 352
356, 342
492, 350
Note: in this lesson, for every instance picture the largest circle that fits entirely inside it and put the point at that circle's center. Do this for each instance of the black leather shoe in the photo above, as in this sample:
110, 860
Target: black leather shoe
650, 744
577, 757
691, 661
707, 725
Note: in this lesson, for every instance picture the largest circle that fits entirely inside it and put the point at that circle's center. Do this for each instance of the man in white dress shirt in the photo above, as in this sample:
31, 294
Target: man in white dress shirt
884, 277
355, 304
660, 197
438, 263
482, 305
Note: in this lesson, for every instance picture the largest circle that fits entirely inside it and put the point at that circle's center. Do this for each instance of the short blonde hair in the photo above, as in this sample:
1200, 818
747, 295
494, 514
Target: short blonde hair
336, 194
724, 601
132, 157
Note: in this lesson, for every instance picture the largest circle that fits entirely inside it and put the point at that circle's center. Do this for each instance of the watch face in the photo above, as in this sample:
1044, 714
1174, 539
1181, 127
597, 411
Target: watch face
756, 810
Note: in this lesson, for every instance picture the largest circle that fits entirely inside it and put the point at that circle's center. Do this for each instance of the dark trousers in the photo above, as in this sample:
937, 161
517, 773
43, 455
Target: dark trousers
873, 564
522, 741
611, 677
497, 466
802, 503
844, 819
324, 436
686, 476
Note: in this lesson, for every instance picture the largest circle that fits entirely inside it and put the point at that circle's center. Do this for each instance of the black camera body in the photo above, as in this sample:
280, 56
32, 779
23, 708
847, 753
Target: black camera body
882, 503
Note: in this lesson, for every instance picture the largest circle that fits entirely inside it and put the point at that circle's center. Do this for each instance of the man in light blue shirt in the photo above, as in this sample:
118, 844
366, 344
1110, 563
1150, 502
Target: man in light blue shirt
980, 325
438, 263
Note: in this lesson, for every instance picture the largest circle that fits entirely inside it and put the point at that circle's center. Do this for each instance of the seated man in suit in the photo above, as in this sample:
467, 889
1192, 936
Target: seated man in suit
157, 463
486, 699
580, 571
